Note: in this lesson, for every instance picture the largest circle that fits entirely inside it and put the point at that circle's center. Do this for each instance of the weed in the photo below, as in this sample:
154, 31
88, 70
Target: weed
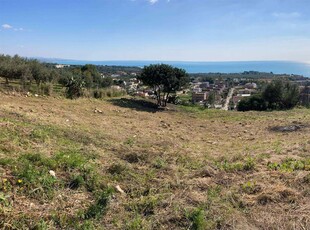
250, 187
100, 206
91, 178
70, 160
145, 206
40, 133
86, 225
116, 169
214, 192
235, 200
130, 142
248, 165
76, 182
3, 200
159, 163
197, 219
190, 162
38, 160
135, 224
41, 225
289, 165
6, 161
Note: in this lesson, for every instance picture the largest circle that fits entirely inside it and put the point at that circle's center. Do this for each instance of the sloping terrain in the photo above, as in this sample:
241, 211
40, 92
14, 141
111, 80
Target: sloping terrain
121, 164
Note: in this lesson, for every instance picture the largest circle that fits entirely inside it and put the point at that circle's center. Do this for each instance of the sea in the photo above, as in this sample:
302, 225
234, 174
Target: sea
276, 67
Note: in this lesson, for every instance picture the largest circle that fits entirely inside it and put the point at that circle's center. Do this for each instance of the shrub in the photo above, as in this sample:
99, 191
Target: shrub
46, 89
74, 88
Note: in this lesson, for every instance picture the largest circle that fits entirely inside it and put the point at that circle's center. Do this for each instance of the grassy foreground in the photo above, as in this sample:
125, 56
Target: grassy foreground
91, 164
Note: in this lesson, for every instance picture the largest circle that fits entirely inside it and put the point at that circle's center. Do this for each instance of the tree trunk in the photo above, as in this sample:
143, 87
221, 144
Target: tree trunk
166, 100
158, 98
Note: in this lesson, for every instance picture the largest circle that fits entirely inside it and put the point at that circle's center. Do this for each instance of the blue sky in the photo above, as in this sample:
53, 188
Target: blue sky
178, 30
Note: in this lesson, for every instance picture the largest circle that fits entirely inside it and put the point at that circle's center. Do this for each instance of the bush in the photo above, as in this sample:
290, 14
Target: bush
74, 88
106, 92
46, 89
255, 102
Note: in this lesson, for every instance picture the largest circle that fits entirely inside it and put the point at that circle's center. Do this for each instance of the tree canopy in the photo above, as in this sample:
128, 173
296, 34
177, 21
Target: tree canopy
164, 80
278, 95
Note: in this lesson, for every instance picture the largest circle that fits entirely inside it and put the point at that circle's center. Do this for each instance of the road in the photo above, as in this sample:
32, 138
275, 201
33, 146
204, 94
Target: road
229, 96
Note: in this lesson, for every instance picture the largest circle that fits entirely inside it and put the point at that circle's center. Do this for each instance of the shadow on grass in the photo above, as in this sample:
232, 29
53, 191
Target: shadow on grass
288, 128
136, 104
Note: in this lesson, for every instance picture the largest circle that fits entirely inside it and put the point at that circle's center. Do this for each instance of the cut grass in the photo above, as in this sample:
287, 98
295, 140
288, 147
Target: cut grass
135, 168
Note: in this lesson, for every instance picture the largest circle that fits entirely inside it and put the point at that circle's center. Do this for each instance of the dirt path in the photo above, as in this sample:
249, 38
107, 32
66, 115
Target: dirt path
229, 96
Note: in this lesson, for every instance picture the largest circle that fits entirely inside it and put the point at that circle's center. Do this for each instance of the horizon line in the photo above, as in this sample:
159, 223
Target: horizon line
158, 61
172, 61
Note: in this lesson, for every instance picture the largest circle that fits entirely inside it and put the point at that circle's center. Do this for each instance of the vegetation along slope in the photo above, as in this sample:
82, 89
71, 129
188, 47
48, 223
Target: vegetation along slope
119, 164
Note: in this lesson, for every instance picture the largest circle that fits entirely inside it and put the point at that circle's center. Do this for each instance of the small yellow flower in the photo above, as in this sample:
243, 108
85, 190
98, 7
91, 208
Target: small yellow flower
4, 180
19, 181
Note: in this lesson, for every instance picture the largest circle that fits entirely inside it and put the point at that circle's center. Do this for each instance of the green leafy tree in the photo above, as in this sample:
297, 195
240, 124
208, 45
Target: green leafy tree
211, 98
11, 67
273, 94
291, 95
106, 82
165, 80
88, 79
281, 95
305, 96
91, 76
74, 88
277, 95
255, 102
39, 73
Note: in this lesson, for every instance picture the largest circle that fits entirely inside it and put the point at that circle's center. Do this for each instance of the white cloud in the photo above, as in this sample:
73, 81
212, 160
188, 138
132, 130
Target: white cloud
7, 26
153, 1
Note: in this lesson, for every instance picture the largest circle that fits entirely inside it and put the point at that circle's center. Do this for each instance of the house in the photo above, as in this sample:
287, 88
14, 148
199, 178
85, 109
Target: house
197, 90
204, 85
250, 85
198, 97
59, 66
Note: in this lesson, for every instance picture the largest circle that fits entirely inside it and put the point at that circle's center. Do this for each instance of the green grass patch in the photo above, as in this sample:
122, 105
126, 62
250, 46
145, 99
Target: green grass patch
289, 165
197, 219
99, 208
247, 165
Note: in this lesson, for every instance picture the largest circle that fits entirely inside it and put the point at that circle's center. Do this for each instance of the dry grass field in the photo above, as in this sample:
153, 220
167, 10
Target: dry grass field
122, 164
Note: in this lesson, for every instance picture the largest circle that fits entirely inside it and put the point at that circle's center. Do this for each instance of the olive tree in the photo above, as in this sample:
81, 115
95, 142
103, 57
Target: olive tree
164, 80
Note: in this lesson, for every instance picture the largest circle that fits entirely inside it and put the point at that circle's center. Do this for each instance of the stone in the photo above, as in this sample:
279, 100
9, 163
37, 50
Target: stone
52, 173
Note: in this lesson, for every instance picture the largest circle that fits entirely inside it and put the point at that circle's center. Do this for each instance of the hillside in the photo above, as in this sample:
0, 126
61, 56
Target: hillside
120, 164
